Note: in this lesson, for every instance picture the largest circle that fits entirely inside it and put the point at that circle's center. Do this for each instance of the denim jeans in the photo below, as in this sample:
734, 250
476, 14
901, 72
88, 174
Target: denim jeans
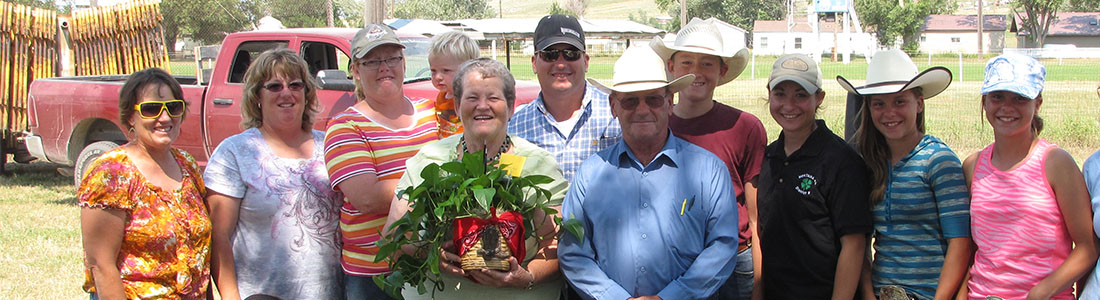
739, 285
363, 288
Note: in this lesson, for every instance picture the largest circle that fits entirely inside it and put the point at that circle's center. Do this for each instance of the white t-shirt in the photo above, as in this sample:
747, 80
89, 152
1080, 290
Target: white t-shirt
287, 240
566, 127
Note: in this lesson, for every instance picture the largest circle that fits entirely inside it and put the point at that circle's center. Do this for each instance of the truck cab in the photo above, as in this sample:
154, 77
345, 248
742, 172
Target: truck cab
74, 119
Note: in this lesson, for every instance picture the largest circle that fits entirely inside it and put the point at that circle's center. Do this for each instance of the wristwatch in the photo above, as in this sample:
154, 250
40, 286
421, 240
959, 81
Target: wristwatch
531, 284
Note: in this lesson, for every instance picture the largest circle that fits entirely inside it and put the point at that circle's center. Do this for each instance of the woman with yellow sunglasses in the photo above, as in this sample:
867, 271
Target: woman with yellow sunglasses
145, 229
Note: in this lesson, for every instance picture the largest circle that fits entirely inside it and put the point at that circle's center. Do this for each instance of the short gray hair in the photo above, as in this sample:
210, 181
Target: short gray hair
488, 68
454, 44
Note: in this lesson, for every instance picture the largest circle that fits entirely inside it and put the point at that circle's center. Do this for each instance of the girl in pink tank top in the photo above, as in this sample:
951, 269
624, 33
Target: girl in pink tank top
1025, 220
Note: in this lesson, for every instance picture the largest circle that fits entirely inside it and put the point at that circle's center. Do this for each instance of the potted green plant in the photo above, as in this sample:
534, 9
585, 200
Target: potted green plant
476, 206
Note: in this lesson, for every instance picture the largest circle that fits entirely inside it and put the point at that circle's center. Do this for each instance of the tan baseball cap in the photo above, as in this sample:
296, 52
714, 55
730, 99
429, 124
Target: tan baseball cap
798, 68
370, 37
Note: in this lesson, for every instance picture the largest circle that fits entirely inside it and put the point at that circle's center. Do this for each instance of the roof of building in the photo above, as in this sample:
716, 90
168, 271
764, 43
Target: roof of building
963, 23
1067, 24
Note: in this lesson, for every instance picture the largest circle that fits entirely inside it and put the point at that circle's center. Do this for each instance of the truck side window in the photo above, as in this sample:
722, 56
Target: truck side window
246, 52
323, 56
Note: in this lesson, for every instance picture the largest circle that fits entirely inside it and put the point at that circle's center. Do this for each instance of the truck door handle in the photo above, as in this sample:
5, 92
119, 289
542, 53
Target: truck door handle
223, 101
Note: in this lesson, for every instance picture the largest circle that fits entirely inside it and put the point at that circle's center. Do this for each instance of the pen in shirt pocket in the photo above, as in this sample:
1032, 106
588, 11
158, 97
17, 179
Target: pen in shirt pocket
687, 204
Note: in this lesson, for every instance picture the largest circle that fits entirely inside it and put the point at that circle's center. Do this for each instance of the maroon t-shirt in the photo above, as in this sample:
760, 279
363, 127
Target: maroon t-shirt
736, 137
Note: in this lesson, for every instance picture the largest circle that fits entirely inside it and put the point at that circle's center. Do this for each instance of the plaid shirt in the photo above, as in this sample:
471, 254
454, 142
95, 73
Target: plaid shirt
595, 130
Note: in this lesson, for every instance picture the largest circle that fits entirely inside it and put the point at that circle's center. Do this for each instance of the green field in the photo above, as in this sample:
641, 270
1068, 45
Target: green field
39, 227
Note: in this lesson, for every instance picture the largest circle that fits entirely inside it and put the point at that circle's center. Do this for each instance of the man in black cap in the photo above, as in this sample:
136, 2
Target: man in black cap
570, 118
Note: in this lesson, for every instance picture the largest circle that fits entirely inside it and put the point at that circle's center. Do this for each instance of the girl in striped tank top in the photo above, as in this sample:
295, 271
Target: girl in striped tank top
918, 193
1024, 218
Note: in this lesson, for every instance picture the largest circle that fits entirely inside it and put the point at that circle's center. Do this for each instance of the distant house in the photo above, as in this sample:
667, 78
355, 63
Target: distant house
959, 33
1071, 28
775, 38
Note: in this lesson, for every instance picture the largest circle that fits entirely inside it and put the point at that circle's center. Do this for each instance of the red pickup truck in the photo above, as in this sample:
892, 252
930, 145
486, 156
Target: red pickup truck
72, 120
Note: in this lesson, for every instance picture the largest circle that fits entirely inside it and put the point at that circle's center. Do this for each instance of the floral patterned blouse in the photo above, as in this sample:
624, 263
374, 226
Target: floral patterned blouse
166, 248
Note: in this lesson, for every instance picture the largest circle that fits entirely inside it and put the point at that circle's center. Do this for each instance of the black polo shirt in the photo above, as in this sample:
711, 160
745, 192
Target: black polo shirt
806, 203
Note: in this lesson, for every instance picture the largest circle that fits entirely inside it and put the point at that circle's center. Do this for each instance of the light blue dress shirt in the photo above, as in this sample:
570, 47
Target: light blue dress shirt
667, 229
596, 129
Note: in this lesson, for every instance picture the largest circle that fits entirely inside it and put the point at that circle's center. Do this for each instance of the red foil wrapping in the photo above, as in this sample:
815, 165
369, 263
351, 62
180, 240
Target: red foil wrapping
510, 224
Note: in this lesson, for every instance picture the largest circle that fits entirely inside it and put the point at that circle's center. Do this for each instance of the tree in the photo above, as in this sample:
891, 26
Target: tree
894, 18
1082, 6
577, 7
1036, 17
207, 21
740, 13
442, 9
296, 13
643, 18
58, 6
556, 9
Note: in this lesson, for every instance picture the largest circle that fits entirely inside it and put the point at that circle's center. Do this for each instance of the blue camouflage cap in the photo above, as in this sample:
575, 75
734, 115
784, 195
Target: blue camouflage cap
1014, 73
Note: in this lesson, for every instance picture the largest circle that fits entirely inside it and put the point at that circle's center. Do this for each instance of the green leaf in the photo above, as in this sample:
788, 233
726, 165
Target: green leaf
430, 174
474, 162
455, 168
575, 227
538, 179
433, 261
484, 196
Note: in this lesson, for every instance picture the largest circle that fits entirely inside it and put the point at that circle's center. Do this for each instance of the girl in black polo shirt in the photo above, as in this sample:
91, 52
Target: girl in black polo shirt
814, 213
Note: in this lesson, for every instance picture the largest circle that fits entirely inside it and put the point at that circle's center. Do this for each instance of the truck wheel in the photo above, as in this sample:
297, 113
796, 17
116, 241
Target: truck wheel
87, 156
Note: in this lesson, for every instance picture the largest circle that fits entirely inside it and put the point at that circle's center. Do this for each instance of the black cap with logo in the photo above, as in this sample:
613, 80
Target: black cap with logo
557, 29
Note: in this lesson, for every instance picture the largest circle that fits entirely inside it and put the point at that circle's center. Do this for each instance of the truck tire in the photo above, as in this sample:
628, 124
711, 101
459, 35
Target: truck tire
87, 156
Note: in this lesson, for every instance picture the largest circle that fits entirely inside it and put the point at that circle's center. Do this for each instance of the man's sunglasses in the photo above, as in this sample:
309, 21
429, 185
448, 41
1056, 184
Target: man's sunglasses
552, 55
630, 103
152, 109
276, 87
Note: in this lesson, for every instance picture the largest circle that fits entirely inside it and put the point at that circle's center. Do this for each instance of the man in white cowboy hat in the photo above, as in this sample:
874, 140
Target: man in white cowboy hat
569, 118
658, 212
737, 137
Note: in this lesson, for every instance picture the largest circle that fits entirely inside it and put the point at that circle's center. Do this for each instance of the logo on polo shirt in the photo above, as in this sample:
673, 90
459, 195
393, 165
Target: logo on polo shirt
806, 182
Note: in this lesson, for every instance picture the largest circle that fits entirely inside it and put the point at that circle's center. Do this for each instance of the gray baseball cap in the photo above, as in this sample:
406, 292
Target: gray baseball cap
370, 37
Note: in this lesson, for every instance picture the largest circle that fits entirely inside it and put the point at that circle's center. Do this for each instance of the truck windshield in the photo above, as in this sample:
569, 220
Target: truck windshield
416, 59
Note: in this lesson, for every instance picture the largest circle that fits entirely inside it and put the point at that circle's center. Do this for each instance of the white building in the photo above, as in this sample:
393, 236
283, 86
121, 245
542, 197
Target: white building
779, 37
959, 33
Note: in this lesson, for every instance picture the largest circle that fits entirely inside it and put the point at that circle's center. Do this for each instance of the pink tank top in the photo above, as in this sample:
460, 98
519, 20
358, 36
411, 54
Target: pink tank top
1016, 223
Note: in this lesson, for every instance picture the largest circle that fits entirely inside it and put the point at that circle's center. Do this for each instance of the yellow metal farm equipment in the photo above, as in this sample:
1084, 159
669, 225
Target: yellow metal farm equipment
38, 43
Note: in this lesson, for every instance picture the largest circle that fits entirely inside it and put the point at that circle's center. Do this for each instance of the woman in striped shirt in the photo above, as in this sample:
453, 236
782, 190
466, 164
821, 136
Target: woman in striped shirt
918, 193
1029, 205
365, 151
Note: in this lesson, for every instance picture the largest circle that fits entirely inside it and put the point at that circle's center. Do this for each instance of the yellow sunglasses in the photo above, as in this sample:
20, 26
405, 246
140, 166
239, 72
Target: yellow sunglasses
152, 109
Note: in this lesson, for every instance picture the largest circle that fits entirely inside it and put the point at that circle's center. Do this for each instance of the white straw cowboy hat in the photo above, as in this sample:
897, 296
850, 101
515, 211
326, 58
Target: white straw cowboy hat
891, 71
641, 69
706, 37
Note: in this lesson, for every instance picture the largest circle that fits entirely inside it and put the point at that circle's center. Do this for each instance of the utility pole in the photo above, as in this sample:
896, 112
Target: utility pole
500, 9
981, 23
683, 13
328, 14
374, 11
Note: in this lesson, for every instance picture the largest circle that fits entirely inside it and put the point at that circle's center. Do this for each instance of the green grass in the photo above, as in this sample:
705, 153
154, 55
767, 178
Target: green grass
40, 252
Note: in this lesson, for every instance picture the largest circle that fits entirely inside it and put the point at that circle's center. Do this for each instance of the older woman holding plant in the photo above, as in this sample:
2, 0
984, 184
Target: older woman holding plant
275, 217
484, 93
145, 229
